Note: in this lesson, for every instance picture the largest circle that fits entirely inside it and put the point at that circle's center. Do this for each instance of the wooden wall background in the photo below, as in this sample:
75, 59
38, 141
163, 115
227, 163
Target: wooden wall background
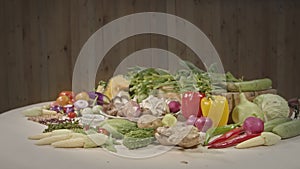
40, 40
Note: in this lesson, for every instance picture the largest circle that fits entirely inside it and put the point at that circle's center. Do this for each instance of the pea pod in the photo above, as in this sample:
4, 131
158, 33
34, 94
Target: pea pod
218, 130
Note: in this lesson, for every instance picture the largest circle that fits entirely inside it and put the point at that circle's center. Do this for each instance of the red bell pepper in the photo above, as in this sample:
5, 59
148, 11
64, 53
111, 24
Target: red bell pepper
190, 104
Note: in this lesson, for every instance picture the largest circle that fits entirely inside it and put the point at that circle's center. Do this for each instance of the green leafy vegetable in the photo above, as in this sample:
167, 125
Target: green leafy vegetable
138, 138
72, 125
146, 81
273, 106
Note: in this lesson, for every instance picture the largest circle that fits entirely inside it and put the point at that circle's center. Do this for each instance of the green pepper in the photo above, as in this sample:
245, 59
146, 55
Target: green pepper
218, 130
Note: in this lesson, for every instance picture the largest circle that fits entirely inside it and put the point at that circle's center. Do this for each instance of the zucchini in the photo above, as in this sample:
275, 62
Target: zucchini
269, 125
247, 86
288, 129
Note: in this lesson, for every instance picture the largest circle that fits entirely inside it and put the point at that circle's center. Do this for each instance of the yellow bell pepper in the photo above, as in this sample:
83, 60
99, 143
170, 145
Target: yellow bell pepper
216, 108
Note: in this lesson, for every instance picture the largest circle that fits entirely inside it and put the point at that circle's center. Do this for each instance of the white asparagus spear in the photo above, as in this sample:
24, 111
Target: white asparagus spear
266, 139
52, 139
253, 142
40, 136
49, 134
70, 143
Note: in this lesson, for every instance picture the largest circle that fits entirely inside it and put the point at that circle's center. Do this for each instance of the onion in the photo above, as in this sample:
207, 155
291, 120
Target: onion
174, 106
203, 123
81, 104
191, 120
253, 125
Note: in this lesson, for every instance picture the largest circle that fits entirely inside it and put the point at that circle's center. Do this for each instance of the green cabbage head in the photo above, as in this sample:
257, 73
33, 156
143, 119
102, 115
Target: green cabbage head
273, 106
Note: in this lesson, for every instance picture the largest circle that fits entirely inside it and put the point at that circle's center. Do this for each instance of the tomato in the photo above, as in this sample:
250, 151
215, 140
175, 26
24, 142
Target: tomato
72, 115
69, 94
62, 100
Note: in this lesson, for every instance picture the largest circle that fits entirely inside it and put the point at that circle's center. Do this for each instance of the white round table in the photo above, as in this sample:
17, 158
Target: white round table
17, 152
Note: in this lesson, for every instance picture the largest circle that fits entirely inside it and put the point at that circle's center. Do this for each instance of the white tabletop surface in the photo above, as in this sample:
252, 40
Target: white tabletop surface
17, 152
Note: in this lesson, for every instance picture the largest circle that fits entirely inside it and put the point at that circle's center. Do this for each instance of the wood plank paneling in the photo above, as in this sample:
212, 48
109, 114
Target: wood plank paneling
40, 41
3, 57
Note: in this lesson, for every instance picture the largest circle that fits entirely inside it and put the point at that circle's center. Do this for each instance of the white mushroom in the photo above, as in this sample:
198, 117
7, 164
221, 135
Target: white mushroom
156, 105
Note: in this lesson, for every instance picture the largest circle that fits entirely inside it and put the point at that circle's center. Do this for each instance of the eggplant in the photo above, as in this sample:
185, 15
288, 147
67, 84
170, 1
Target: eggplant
101, 98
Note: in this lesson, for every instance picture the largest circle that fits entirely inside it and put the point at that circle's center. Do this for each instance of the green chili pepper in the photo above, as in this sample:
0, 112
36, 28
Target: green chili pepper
218, 130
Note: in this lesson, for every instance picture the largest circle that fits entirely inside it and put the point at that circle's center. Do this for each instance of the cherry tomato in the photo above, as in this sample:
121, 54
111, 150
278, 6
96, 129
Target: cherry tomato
62, 100
72, 115
69, 94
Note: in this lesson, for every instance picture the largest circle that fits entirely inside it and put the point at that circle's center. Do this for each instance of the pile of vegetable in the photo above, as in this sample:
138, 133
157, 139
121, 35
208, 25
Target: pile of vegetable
152, 106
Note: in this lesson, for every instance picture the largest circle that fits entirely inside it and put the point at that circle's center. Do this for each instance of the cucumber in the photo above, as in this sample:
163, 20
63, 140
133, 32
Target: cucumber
288, 129
248, 86
269, 125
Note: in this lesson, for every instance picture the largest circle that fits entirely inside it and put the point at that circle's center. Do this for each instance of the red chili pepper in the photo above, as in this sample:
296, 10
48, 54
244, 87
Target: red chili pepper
234, 140
232, 133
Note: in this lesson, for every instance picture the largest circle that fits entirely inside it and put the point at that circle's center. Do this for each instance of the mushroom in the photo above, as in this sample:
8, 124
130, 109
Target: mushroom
183, 136
156, 105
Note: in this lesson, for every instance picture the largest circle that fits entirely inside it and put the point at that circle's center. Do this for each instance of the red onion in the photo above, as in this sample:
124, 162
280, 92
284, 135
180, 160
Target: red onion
253, 125
174, 106
191, 120
203, 123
